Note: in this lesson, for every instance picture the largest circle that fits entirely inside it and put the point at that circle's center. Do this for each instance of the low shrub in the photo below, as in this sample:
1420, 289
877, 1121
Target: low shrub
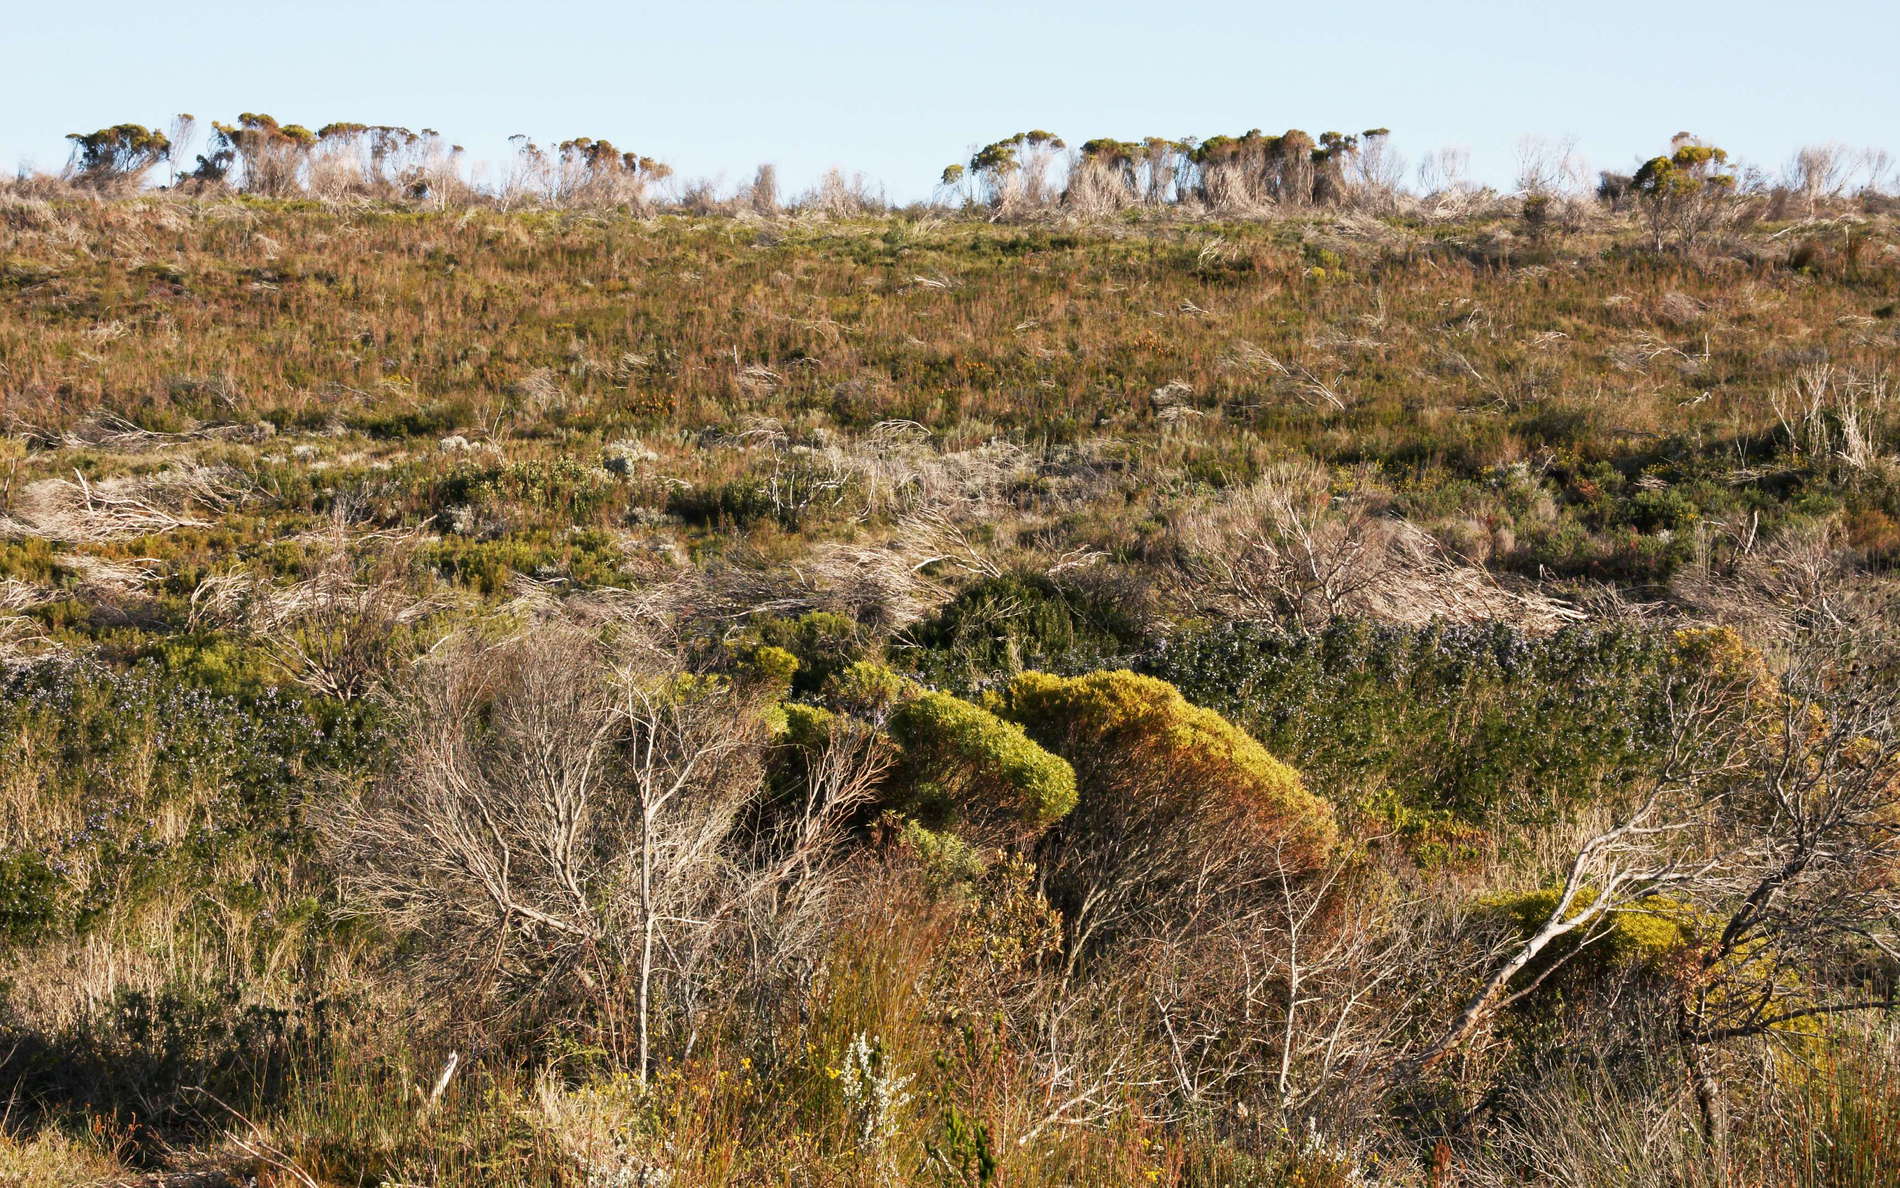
1004, 625
1136, 740
1487, 725
965, 769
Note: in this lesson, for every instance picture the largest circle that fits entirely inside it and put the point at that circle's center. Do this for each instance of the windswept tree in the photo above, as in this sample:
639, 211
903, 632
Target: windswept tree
1803, 916
1254, 169
1330, 156
1374, 173
1013, 173
1226, 173
1112, 174
1817, 172
762, 196
594, 172
1446, 173
1686, 194
117, 158
1872, 165
359, 158
336, 165
584, 171
183, 134
261, 155
1547, 166
954, 181
1549, 180
1106, 176
381, 160
1614, 189
1227, 170
1161, 167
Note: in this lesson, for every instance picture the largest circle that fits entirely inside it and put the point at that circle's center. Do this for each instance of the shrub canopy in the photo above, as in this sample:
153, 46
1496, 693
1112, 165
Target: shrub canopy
1136, 742
964, 768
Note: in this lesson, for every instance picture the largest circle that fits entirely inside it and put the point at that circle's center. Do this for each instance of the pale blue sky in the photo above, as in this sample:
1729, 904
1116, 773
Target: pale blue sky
898, 89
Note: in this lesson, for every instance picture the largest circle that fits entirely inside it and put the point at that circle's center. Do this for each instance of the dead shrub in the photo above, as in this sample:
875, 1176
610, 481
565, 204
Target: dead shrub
1286, 549
563, 841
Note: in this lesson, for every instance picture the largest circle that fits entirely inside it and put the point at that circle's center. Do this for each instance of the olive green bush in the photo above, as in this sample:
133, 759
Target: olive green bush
1176, 809
998, 627
965, 769
1440, 730
1135, 736
824, 644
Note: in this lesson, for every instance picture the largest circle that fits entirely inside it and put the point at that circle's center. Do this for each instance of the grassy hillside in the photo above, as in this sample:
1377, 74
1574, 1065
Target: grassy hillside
539, 697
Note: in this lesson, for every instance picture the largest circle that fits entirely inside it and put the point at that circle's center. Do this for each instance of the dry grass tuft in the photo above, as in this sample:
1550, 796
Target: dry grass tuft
1288, 550
77, 511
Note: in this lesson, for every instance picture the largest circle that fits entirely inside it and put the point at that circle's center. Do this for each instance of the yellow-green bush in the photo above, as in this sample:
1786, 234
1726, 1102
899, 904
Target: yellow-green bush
962, 775
946, 859
1629, 937
773, 667
824, 644
867, 688
1135, 737
1722, 655
801, 725
963, 768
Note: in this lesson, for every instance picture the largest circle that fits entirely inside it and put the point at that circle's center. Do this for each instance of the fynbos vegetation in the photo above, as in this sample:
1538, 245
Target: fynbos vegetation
1182, 662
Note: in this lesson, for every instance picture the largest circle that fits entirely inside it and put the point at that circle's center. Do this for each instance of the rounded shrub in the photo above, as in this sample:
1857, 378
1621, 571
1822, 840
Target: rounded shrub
866, 688
962, 768
773, 667
1136, 741
1013, 622
823, 644
800, 725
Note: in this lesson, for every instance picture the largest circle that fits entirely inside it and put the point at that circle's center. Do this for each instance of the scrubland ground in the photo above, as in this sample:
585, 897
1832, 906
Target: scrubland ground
564, 698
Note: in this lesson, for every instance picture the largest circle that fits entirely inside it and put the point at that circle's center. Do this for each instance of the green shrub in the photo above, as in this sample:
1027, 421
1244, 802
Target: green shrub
569, 489
585, 558
774, 668
1003, 625
804, 725
1631, 936
823, 644
947, 860
218, 664
431, 420
962, 768
148, 784
1485, 723
29, 898
739, 503
866, 688
27, 560
1136, 739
